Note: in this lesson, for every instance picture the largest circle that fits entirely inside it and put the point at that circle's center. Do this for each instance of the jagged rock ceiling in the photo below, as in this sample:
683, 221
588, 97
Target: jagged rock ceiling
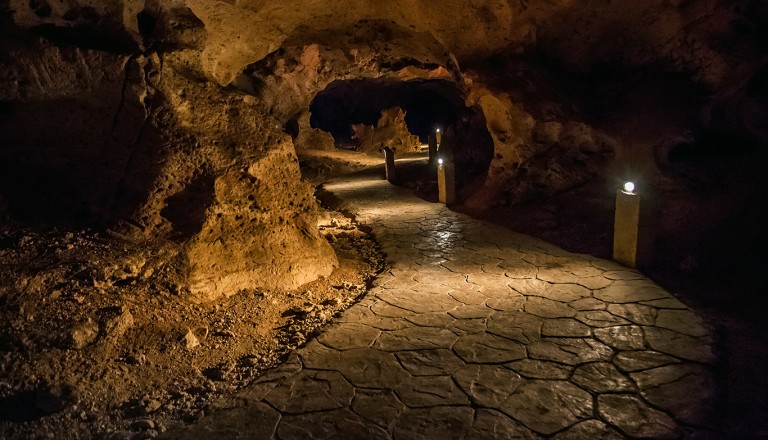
166, 118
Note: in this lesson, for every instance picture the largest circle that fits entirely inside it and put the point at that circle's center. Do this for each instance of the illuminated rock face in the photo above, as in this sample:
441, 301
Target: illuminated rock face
166, 118
390, 131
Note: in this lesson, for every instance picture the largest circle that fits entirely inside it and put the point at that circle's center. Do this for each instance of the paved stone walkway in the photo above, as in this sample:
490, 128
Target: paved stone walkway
477, 332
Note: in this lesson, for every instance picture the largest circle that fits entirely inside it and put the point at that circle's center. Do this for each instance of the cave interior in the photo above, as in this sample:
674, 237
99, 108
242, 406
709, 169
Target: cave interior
162, 161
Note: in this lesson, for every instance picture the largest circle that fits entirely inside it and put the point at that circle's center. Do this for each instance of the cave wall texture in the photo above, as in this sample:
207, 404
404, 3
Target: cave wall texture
165, 119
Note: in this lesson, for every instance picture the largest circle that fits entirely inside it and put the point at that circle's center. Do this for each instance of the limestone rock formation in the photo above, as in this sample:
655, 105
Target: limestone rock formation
309, 138
390, 132
144, 145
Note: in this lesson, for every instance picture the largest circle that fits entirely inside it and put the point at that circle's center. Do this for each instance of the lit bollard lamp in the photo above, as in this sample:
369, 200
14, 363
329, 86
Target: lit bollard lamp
446, 182
626, 226
389, 164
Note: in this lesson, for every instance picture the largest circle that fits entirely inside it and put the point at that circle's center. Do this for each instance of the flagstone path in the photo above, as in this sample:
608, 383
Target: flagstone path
477, 332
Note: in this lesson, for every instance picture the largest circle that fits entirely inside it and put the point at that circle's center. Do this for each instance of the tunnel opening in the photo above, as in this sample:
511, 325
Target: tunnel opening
428, 105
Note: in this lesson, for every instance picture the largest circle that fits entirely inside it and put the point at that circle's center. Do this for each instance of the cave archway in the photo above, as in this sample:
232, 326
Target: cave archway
428, 104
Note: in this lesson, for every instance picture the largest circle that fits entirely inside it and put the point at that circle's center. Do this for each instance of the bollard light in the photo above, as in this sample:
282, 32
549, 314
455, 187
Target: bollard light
626, 225
446, 182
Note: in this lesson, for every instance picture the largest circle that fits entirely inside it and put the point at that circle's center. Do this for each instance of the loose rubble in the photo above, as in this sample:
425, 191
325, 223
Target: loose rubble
98, 339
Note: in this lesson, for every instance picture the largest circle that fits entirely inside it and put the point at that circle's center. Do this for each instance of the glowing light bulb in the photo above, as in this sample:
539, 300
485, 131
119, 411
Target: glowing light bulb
629, 187
439, 161
438, 130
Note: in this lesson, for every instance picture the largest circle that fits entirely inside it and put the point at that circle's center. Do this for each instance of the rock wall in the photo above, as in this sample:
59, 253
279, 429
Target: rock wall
309, 138
536, 154
141, 143
259, 228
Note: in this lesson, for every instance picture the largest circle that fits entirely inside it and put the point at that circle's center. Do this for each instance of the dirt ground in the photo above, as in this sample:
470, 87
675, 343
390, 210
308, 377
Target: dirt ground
97, 342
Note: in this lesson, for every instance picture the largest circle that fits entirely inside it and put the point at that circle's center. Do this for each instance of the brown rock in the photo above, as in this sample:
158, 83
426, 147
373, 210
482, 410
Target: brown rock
84, 334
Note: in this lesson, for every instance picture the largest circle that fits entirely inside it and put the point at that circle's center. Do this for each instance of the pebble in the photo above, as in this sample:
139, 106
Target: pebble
190, 340
151, 406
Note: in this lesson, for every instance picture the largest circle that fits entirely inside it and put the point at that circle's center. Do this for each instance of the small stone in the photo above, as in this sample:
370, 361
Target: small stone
151, 406
190, 341
118, 321
83, 334
201, 332
299, 310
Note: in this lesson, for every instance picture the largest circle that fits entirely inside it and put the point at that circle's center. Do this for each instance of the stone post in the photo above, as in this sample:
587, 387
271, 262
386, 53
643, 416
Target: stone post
432, 141
446, 183
389, 165
626, 226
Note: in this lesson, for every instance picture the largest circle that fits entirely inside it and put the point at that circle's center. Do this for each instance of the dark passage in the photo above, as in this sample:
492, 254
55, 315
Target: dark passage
428, 105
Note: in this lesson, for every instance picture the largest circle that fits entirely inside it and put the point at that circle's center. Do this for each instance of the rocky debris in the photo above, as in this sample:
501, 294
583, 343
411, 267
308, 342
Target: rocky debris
125, 350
